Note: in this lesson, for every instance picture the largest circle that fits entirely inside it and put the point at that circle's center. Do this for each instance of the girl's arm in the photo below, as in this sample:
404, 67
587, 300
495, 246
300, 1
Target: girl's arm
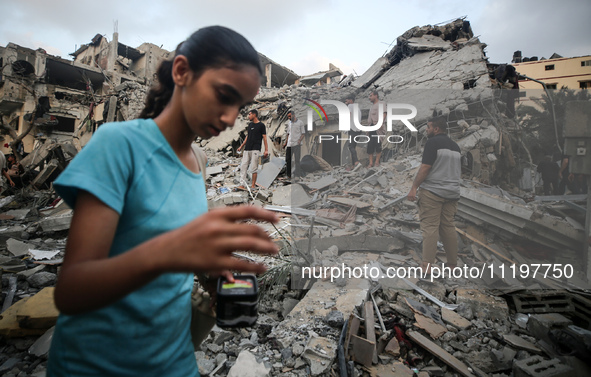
89, 279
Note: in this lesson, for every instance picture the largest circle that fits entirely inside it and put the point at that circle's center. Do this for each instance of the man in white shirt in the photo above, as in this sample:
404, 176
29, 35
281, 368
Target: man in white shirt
295, 135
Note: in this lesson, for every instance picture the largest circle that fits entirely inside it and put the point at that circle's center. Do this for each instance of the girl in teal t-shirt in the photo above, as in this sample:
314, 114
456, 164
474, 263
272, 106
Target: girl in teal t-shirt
141, 226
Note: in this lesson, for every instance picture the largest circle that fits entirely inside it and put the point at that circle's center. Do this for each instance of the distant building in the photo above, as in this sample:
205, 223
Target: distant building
331, 76
556, 72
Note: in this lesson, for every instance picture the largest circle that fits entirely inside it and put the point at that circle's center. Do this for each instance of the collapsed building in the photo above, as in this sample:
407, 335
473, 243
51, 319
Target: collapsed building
494, 324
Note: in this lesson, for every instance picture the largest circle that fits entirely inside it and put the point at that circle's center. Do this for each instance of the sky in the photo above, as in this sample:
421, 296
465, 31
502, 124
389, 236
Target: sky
307, 35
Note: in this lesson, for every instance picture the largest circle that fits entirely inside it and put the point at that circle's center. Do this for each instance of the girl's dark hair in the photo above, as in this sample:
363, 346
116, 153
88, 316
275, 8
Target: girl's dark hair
209, 47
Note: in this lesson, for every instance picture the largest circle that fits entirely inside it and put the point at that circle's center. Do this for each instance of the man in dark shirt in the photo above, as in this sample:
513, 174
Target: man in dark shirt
256, 134
549, 171
439, 179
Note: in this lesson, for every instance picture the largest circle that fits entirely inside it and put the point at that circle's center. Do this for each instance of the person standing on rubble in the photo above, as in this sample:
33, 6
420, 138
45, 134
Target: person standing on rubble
141, 227
549, 171
374, 144
439, 179
256, 134
354, 132
293, 141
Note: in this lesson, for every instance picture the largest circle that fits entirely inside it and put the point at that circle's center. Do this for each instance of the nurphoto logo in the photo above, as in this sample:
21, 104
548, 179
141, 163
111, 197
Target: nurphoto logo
345, 120
345, 115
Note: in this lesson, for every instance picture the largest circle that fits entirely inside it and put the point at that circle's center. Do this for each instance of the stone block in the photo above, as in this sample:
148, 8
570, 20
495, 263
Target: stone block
539, 325
247, 366
536, 366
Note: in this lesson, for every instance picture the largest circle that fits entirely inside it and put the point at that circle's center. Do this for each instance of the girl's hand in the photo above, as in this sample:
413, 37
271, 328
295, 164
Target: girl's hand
206, 244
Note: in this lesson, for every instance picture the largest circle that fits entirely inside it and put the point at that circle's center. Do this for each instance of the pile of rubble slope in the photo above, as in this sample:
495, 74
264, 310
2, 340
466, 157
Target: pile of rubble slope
492, 325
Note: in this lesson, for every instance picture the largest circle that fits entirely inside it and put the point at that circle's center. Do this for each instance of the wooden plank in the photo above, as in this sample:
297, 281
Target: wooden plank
354, 323
370, 330
362, 350
440, 353
9, 326
39, 312
484, 245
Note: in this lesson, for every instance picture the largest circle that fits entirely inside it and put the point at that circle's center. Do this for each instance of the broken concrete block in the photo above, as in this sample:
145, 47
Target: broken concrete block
489, 136
520, 343
247, 366
393, 347
290, 195
483, 306
229, 199
320, 354
17, 248
42, 279
288, 305
58, 222
539, 325
11, 232
206, 366
42, 345
503, 359
19, 214
9, 364
31, 272
270, 171
213, 170
45, 174
322, 183
536, 366
335, 319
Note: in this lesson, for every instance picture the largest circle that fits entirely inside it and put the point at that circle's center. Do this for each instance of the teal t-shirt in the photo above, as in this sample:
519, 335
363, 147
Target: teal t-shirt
132, 168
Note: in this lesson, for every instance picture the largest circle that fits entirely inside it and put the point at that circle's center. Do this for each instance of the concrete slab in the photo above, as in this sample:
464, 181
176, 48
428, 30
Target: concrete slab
19, 214
520, 343
17, 248
321, 183
371, 74
247, 366
58, 222
42, 345
270, 171
320, 354
290, 195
